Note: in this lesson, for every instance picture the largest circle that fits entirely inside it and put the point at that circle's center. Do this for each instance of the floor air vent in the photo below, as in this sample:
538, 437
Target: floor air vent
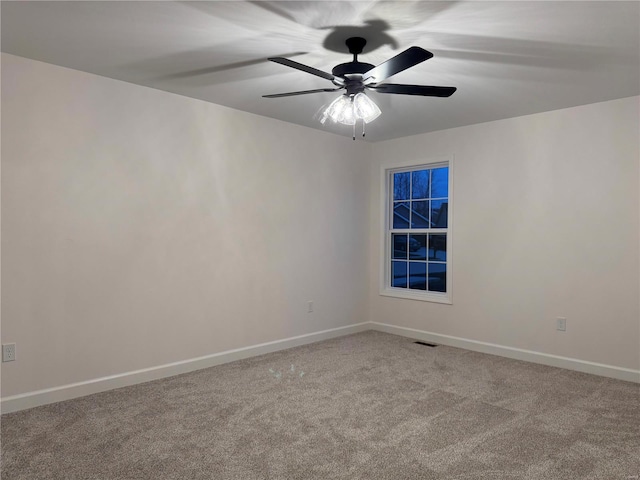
426, 344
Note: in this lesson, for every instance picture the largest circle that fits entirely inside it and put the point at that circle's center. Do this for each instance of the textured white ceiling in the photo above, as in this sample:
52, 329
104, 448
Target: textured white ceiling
506, 58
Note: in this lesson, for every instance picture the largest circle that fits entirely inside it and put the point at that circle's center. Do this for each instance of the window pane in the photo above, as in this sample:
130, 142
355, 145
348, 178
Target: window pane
399, 274
399, 246
439, 209
420, 214
401, 215
418, 231
418, 247
437, 277
401, 185
418, 275
438, 247
440, 182
420, 184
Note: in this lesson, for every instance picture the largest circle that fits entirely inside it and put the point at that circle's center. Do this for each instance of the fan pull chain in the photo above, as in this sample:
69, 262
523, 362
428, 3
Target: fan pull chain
363, 124
354, 130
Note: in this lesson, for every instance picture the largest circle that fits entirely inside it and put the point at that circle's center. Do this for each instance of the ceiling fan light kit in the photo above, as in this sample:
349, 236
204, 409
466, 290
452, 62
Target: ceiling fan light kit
348, 109
355, 77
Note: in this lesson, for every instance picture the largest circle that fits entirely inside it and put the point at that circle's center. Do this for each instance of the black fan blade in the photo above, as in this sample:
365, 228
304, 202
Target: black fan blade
303, 92
410, 57
424, 90
304, 68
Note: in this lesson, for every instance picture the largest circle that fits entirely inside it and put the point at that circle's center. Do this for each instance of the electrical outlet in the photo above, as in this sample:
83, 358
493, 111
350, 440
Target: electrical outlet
561, 324
8, 352
309, 306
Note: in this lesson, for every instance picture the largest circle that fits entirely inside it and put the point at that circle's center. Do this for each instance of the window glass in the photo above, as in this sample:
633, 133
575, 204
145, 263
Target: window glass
437, 277
438, 247
420, 214
401, 186
440, 182
418, 275
420, 184
439, 213
401, 214
399, 274
417, 247
399, 246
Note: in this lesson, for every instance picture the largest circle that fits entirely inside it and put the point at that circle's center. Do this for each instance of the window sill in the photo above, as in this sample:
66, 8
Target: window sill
414, 295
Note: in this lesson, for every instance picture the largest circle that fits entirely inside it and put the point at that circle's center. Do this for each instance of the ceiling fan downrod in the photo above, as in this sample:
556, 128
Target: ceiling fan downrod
355, 46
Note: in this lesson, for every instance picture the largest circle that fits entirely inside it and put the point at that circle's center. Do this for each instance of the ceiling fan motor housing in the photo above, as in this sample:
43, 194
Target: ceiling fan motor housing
353, 68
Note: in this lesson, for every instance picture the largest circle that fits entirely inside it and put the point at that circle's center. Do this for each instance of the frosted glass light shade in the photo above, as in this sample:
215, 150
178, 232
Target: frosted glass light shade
347, 110
340, 111
365, 108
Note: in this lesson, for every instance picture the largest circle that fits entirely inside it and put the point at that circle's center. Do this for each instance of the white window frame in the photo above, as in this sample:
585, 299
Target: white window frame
386, 172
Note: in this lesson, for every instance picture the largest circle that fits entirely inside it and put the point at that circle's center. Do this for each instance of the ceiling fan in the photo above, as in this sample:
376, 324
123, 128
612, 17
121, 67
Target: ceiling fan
355, 77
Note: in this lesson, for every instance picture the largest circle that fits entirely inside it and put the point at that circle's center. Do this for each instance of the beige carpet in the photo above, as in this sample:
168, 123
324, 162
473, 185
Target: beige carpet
368, 406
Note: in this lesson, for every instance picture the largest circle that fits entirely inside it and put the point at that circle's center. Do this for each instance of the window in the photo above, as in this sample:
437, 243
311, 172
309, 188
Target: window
417, 238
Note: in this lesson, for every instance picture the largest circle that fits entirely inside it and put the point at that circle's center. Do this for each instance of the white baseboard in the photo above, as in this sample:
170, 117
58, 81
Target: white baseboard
603, 370
67, 392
